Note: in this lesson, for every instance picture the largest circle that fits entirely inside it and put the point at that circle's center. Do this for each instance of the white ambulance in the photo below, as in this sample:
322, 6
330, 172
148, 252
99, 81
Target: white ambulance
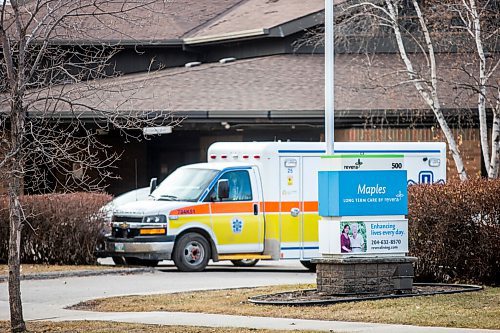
250, 201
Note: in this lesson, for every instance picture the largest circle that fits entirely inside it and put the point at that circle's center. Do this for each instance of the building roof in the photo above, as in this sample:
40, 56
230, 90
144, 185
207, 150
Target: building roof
176, 21
281, 86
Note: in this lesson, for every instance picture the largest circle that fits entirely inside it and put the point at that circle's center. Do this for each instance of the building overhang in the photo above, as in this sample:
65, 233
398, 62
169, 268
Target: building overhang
256, 118
226, 37
282, 30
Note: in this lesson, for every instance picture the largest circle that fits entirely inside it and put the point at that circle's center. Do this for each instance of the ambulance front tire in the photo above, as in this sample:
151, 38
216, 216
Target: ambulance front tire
118, 260
191, 253
245, 262
309, 265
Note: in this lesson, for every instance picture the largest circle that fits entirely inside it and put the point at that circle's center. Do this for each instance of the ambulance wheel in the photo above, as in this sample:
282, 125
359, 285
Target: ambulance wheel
245, 262
141, 262
309, 265
191, 253
119, 261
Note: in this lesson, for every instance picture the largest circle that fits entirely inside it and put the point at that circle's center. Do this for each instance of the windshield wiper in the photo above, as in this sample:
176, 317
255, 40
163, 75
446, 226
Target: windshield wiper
168, 197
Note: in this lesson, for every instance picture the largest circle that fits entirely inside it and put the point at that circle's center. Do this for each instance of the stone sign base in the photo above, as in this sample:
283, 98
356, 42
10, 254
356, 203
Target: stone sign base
348, 275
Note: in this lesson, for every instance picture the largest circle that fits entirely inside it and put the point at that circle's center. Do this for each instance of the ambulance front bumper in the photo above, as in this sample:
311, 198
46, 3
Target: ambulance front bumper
159, 250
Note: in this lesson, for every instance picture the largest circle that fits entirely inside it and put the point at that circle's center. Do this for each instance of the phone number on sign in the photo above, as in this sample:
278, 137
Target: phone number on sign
386, 242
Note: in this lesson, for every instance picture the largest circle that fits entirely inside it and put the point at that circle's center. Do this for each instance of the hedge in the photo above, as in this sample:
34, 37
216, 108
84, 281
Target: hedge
454, 230
61, 228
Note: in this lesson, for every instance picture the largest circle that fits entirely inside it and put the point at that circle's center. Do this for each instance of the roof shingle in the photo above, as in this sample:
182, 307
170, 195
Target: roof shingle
292, 84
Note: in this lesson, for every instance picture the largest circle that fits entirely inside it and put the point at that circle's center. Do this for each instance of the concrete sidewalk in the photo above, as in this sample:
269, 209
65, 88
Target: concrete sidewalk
215, 320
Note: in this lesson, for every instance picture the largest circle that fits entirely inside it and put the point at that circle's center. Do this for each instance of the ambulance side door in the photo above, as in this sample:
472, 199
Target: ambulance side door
237, 222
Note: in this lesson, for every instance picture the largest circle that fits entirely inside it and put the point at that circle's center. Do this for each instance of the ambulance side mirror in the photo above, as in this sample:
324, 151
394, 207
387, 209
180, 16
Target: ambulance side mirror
152, 185
223, 189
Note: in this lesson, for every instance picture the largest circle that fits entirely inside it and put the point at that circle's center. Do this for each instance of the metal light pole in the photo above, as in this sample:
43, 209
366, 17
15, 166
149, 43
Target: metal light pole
329, 77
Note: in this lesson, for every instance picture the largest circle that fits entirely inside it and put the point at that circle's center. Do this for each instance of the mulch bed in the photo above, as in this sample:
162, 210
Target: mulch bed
314, 297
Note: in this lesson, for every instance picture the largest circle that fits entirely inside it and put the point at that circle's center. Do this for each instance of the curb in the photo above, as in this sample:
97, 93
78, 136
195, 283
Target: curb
57, 275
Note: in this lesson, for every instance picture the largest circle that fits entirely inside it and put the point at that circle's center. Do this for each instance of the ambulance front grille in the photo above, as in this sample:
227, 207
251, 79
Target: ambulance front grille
127, 219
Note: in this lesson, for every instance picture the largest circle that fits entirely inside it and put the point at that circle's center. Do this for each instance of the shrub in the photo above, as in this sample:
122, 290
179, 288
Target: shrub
60, 228
455, 231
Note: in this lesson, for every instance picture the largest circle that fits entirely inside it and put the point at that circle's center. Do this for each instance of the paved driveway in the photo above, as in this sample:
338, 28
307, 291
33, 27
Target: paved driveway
43, 299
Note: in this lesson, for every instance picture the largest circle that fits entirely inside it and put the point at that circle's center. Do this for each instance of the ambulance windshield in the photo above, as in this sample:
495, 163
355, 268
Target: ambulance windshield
185, 184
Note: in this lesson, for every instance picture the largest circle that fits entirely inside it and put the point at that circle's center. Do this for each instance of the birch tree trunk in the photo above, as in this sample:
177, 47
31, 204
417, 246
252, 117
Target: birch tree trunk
495, 139
470, 15
475, 31
429, 92
495, 147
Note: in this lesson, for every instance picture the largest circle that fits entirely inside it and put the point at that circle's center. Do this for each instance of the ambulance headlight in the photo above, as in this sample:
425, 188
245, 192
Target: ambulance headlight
155, 219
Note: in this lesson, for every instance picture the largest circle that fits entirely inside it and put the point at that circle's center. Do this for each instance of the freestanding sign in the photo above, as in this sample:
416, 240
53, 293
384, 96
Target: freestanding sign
363, 202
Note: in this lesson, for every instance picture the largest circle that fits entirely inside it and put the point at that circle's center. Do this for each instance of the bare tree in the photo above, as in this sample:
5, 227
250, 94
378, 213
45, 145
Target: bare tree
424, 35
386, 13
480, 20
53, 84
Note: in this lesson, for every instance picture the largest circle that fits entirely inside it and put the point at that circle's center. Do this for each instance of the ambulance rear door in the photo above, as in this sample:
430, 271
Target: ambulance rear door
309, 198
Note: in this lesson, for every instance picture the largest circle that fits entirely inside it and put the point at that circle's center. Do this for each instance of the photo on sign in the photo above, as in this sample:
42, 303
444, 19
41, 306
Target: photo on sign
352, 237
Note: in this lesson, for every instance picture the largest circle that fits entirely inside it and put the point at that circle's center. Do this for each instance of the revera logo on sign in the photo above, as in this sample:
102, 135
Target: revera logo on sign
356, 165
371, 190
